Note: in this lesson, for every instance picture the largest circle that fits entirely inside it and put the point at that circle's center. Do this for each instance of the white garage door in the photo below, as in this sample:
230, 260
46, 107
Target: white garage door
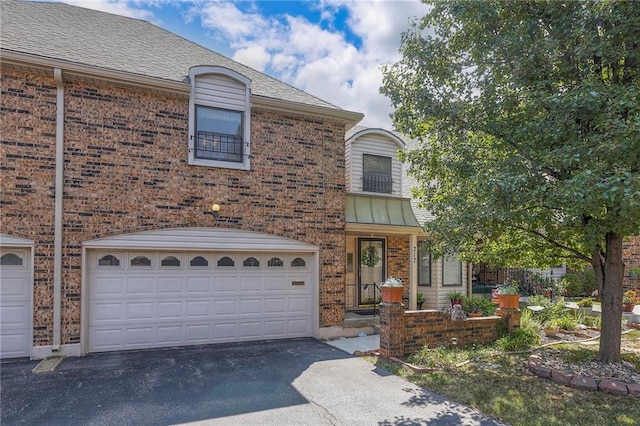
15, 303
156, 299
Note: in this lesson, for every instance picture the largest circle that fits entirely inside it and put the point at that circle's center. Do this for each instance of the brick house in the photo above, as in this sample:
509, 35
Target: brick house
117, 139
156, 193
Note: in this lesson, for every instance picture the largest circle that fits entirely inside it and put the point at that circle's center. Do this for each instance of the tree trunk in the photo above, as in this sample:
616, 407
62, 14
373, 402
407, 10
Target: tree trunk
611, 274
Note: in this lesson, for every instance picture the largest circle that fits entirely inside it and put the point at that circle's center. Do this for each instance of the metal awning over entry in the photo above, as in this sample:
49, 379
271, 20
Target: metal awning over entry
378, 210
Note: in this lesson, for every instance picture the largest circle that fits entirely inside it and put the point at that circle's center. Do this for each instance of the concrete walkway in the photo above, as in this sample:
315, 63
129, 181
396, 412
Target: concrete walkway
352, 344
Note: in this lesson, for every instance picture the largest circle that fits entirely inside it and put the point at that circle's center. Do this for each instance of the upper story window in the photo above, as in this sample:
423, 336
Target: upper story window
219, 118
376, 173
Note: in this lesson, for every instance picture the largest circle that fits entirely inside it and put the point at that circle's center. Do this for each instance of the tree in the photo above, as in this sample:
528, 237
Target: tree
528, 118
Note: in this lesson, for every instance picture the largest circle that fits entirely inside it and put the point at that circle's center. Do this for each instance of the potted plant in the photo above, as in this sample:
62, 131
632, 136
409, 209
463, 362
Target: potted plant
634, 273
628, 301
455, 297
420, 300
551, 328
585, 305
508, 296
392, 290
471, 307
486, 307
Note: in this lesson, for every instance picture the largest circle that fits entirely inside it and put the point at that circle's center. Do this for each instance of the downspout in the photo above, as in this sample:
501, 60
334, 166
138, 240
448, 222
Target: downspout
59, 193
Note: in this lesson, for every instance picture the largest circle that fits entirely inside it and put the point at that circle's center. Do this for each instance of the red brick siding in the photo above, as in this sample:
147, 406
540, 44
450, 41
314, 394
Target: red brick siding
126, 170
631, 259
397, 260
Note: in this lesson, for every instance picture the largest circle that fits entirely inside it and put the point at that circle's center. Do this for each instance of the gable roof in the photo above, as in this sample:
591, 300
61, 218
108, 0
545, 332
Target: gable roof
103, 42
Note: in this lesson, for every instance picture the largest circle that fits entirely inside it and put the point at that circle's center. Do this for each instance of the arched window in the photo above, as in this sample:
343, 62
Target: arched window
199, 261
109, 260
251, 261
141, 261
275, 261
226, 261
170, 261
298, 262
10, 259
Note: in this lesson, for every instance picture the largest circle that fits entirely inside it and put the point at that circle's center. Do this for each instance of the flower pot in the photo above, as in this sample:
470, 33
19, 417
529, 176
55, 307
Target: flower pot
550, 332
509, 301
392, 294
475, 315
627, 307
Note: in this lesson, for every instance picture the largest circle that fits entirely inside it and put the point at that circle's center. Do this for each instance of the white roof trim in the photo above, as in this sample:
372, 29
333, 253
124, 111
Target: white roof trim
379, 132
201, 239
8, 240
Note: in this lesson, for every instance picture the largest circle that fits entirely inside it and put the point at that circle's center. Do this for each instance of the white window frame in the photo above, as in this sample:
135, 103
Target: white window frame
202, 71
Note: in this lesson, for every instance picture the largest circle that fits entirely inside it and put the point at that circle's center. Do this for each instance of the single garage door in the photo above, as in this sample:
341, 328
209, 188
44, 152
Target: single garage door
15, 303
149, 299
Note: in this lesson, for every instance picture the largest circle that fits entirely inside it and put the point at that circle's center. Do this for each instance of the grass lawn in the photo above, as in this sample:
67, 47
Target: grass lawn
500, 386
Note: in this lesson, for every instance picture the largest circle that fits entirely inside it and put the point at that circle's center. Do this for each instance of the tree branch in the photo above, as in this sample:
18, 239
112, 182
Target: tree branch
554, 243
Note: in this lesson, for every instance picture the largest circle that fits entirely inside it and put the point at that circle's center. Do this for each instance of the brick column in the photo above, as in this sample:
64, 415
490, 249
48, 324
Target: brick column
391, 329
511, 318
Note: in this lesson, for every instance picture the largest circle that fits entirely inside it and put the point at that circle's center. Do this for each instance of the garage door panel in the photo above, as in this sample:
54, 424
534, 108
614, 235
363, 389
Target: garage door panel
225, 284
250, 284
299, 327
250, 330
140, 286
170, 335
225, 307
15, 289
159, 306
198, 285
198, 308
298, 304
14, 343
171, 286
110, 286
278, 283
278, 306
250, 307
222, 331
107, 311
140, 310
14, 315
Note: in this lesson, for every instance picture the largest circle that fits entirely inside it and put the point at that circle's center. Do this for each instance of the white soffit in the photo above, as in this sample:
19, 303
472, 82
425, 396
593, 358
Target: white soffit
8, 240
201, 239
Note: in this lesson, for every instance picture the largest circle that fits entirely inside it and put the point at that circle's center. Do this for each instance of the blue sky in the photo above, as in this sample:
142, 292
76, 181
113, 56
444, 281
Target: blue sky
332, 49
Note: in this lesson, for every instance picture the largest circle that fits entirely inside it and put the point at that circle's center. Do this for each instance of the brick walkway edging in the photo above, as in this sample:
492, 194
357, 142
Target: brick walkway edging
610, 386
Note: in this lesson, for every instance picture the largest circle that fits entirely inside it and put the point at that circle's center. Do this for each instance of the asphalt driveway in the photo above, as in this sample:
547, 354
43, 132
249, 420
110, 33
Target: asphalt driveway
288, 382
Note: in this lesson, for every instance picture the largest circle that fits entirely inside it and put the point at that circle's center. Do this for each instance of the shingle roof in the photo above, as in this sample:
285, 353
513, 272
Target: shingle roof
103, 40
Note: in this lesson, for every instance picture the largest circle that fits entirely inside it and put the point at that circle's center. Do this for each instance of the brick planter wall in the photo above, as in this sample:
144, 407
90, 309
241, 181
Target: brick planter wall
405, 332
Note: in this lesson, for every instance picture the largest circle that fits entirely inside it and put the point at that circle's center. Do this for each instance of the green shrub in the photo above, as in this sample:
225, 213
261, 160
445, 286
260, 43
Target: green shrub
586, 302
551, 310
589, 281
591, 321
522, 338
566, 323
572, 285
486, 307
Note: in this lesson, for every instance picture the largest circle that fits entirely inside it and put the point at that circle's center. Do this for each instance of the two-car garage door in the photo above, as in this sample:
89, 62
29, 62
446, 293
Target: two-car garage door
147, 299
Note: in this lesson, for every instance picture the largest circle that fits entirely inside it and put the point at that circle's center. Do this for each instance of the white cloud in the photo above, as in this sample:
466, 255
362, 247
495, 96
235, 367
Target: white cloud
255, 56
118, 7
316, 57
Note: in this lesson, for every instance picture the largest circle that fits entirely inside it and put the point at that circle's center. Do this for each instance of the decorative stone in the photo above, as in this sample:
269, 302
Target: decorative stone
584, 382
634, 389
561, 377
613, 387
540, 371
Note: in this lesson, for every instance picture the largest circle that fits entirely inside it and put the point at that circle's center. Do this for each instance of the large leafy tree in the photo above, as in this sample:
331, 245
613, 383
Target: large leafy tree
528, 117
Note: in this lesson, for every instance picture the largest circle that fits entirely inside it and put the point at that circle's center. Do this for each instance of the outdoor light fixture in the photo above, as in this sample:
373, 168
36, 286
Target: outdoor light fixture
215, 209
